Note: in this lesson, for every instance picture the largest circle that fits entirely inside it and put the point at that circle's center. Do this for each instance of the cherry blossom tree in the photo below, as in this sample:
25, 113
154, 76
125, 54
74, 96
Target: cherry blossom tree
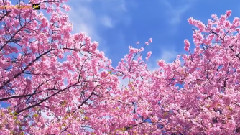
207, 103
49, 76
56, 82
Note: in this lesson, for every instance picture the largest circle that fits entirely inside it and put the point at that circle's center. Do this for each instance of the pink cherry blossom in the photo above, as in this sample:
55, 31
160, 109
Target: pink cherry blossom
228, 13
150, 40
56, 82
161, 63
149, 54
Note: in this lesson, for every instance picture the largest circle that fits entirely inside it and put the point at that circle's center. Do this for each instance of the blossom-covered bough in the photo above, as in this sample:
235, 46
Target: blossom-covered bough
48, 75
56, 82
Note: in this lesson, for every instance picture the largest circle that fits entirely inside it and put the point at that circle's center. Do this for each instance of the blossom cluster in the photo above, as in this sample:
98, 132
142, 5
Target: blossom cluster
56, 82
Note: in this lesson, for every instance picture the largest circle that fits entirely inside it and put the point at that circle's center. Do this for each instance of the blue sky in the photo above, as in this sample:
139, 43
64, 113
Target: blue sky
116, 24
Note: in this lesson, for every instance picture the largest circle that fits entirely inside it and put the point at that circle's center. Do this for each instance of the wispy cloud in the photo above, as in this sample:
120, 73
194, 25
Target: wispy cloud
83, 19
168, 55
93, 16
107, 22
177, 14
177, 9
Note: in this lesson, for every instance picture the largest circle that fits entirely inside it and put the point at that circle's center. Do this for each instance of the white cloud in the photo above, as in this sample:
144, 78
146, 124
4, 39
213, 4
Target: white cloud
92, 16
152, 65
107, 22
177, 14
168, 55
83, 20
176, 11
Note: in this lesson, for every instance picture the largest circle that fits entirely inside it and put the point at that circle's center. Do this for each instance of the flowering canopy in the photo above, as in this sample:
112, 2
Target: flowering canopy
56, 82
